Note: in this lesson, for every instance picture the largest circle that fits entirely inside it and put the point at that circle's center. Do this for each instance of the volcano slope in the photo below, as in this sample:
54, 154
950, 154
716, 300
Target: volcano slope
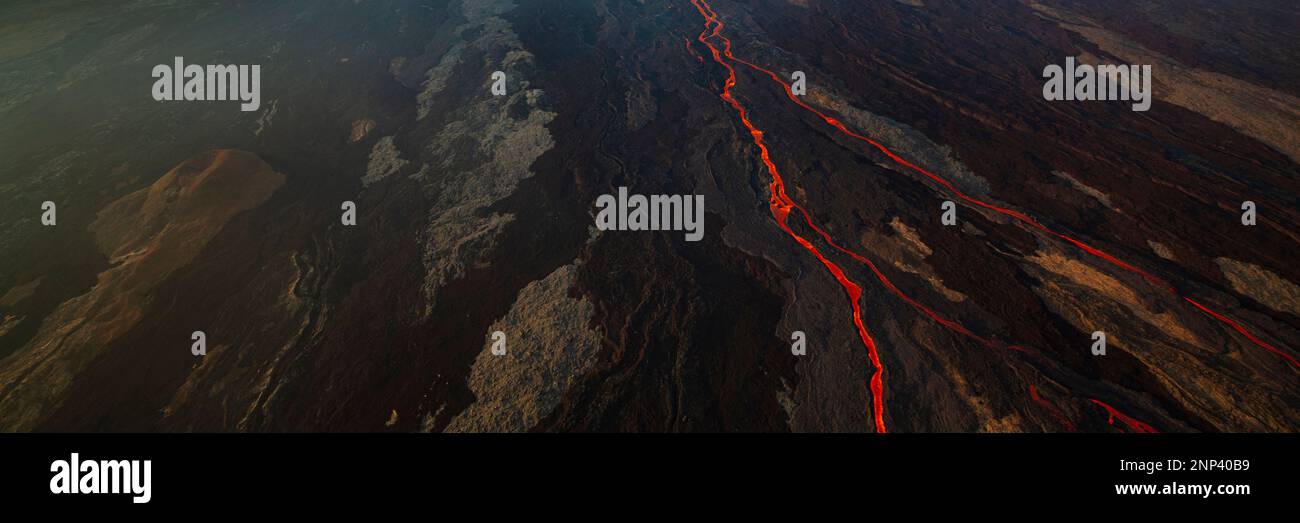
823, 216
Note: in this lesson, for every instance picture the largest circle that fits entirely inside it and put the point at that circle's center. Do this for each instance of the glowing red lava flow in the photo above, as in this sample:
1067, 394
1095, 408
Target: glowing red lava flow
710, 17
1019, 216
1133, 425
691, 50
951, 325
1022, 217
781, 204
1243, 331
1051, 409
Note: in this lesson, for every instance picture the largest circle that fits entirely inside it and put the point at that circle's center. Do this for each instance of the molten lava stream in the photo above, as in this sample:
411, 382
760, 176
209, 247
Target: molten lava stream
1017, 215
1133, 425
951, 325
1051, 409
691, 50
780, 205
709, 15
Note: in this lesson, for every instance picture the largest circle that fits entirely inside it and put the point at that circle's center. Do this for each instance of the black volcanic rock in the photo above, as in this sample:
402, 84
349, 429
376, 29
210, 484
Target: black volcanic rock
474, 215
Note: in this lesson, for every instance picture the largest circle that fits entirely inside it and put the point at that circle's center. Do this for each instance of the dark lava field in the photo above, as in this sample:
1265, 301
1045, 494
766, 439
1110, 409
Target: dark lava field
915, 241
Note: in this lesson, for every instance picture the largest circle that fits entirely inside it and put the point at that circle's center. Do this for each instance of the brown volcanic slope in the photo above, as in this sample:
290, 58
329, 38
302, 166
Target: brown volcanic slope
475, 215
147, 235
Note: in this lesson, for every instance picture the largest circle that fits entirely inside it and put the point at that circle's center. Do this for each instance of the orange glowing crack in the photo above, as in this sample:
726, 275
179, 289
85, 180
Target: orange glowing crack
691, 50
1051, 409
781, 204
951, 325
1133, 425
1017, 215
